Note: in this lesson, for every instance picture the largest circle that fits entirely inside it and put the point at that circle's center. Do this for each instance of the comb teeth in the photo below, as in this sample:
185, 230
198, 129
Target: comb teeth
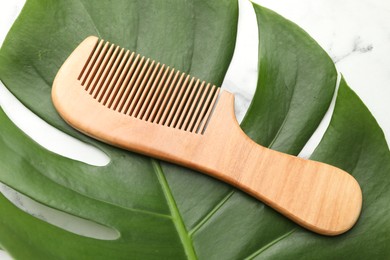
146, 90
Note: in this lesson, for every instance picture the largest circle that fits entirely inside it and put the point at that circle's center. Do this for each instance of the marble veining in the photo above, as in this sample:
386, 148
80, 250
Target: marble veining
358, 47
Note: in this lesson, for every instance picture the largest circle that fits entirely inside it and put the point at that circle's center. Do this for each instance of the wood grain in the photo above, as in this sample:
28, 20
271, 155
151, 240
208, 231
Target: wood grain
101, 91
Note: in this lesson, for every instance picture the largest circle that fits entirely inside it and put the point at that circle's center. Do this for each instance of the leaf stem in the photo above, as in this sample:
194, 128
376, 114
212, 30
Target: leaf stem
176, 217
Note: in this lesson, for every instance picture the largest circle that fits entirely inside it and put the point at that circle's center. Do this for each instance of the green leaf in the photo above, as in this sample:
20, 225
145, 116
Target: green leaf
295, 85
162, 210
355, 143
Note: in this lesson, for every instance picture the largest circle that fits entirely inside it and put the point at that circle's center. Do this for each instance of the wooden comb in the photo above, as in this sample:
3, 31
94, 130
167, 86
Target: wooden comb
140, 105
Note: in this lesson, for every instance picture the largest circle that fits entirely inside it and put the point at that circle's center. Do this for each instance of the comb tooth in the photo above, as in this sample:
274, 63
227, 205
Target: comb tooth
203, 108
167, 115
97, 78
148, 89
192, 108
153, 99
120, 75
92, 77
92, 62
163, 108
183, 101
112, 77
206, 119
147, 103
160, 96
177, 100
128, 74
139, 89
135, 77
88, 61
184, 116
198, 105
132, 87
111, 55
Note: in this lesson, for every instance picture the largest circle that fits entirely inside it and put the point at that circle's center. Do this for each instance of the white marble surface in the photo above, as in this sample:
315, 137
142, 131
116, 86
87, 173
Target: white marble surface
356, 34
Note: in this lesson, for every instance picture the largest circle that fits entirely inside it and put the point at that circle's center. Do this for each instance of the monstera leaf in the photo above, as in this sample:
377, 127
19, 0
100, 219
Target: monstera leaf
161, 210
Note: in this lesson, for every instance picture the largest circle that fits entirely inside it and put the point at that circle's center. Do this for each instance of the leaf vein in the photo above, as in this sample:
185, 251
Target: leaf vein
270, 244
176, 217
211, 213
